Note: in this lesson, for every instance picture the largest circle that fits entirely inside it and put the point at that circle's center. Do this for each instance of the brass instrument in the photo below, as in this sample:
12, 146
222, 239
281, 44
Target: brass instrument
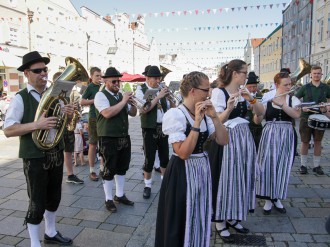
170, 96
317, 106
327, 79
52, 105
139, 103
74, 99
303, 69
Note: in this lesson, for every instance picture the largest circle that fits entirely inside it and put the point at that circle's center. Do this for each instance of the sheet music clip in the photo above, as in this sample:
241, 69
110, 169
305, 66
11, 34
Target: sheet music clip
150, 93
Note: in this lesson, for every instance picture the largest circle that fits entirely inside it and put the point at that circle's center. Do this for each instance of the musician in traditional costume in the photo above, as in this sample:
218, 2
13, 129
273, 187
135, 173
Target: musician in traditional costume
252, 86
184, 208
112, 110
276, 152
151, 124
43, 170
233, 166
317, 92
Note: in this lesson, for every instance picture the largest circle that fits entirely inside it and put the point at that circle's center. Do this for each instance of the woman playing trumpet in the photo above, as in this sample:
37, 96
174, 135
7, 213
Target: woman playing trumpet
276, 152
233, 166
184, 210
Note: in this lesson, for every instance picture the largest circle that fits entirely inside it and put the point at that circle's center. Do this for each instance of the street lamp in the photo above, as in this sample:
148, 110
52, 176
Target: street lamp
88, 39
30, 20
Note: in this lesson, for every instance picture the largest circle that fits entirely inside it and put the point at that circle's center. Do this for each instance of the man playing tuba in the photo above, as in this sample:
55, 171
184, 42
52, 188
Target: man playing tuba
43, 169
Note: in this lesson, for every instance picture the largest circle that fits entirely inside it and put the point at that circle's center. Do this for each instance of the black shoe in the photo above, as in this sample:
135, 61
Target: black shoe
240, 230
267, 212
318, 170
280, 210
123, 200
111, 206
74, 180
146, 192
157, 170
303, 170
227, 239
57, 239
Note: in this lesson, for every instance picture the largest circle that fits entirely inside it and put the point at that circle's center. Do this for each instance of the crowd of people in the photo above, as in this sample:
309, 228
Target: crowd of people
229, 147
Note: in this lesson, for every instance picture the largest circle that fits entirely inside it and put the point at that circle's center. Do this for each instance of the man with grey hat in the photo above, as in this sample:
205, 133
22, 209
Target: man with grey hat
43, 169
112, 110
151, 123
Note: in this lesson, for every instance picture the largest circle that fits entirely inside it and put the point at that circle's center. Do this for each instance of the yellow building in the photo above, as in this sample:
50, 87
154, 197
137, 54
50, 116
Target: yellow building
270, 57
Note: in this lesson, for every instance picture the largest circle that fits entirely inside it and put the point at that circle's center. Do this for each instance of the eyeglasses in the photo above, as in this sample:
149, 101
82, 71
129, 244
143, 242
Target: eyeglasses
38, 71
115, 81
243, 72
203, 89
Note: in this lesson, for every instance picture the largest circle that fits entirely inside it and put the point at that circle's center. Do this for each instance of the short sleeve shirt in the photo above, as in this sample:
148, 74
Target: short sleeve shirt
89, 94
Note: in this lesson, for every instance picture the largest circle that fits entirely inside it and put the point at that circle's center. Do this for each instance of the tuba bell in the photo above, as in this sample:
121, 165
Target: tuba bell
303, 69
327, 79
51, 106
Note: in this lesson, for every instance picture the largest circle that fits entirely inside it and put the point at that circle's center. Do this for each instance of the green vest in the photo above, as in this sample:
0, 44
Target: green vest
149, 119
116, 126
27, 148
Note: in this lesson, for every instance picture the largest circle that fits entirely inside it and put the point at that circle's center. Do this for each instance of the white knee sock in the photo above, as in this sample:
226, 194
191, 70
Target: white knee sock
238, 226
91, 169
303, 160
278, 204
161, 176
120, 182
220, 226
107, 186
34, 234
157, 162
268, 205
148, 182
50, 219
316, 160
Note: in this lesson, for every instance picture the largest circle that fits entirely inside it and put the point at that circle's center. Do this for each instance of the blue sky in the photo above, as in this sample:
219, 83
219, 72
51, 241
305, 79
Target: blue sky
230, 18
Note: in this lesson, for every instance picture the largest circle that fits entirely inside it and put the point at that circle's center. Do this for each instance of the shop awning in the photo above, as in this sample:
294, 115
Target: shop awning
132, 78
8, 60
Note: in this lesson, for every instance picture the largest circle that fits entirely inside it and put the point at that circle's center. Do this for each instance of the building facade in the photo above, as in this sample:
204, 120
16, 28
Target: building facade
297, 27
320, 52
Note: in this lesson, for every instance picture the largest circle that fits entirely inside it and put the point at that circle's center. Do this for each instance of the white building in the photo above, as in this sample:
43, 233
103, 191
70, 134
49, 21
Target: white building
320, 52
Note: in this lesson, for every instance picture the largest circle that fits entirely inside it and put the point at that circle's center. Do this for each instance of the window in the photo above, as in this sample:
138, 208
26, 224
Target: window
321, 29
328, 28
13, 35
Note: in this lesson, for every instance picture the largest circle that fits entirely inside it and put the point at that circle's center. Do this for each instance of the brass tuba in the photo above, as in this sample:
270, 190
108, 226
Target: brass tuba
51, 106
303, 69
327, 79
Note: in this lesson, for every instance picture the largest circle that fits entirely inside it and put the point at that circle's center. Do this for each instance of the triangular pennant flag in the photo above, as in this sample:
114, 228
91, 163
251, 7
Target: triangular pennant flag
297, 2
185, 12
196, 11
220, 10
203, 12
270, 6
173, 12
167, 14
258, 6
208, 11
237, 26
209, 28
156, 14
311, 1
162, 14
179, 13
214, 11
264, 6
283, 4
233, 9
226, 9
245, 8
239, 8
190, 12
144, 15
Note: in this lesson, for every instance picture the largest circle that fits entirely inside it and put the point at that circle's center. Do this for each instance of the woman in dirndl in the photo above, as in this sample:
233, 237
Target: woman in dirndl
276, 150
184, 209
233, 166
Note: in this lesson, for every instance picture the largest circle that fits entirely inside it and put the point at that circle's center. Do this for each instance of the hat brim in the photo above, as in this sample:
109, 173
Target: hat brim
46, 60
155, 75
108, 76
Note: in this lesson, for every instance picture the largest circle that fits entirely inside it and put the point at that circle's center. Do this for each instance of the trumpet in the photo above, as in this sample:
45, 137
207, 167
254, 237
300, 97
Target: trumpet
139, 103
170, 95
317, 106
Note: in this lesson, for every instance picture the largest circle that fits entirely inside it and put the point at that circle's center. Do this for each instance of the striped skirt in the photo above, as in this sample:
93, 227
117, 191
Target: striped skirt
184, 208
275, 156
236, 187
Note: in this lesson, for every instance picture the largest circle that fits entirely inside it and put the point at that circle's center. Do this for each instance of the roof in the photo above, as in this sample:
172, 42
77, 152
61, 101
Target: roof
256, 42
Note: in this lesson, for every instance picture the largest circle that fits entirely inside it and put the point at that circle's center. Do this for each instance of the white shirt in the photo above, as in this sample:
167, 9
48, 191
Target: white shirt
295, 102
175, 124
101, 101
218, 99
160, 113
15, 111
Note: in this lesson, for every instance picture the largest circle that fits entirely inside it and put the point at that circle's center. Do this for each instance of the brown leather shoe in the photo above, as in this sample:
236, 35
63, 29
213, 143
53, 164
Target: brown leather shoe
123, 200
93, 176
111, 206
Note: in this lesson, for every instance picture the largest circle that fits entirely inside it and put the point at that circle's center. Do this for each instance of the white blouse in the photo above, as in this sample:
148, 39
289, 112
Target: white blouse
175, 124
295, 102
218, 99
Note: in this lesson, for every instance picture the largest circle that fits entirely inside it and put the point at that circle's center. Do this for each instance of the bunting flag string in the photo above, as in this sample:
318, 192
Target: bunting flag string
207, 42
209, 11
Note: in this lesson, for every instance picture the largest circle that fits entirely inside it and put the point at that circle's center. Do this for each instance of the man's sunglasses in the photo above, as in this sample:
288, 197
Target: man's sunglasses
38, 71
115, 81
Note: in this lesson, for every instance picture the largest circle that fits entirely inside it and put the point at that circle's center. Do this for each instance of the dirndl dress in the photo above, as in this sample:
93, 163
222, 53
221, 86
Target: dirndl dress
276, 153
184, 208
234, 168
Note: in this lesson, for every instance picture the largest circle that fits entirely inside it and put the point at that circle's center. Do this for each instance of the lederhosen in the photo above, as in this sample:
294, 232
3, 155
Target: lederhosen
114, 141
43, 169
275, 154
153, 137
184, 207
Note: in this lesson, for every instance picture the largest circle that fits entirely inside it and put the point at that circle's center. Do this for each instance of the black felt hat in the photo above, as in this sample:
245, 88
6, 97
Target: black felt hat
112, 72
154, 71
32, 58
285, 70
252, 78
146, 70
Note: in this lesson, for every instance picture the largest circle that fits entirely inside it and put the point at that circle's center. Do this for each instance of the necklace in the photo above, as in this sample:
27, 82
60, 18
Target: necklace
189, 110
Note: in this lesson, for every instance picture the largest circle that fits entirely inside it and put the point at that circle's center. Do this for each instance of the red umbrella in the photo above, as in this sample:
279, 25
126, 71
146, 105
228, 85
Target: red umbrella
132, 78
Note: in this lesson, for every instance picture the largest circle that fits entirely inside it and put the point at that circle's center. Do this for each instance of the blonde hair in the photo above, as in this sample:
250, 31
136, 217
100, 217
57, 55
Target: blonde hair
191, 80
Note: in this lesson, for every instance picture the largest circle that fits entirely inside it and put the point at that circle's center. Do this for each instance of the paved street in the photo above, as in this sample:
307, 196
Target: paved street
83, 216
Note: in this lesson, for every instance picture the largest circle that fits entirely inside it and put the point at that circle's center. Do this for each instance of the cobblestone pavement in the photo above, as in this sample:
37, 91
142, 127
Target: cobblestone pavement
83, 216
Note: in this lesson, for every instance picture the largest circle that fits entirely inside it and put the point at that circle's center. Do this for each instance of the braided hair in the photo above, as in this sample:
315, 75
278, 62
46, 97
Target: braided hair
191, 80
226, 71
